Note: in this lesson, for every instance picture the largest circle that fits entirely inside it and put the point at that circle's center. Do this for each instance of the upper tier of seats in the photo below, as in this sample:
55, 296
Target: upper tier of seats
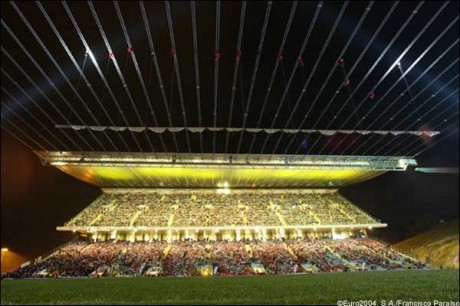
214, 209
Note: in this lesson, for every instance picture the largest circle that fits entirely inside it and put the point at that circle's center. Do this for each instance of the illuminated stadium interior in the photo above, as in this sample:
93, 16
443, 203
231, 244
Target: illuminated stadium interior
223, 152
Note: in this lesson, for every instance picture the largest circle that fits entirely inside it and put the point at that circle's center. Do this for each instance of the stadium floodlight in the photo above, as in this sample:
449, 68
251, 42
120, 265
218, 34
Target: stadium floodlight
223, 188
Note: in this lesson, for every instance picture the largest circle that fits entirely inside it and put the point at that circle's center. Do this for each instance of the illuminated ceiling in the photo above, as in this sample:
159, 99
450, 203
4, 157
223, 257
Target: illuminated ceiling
220, 170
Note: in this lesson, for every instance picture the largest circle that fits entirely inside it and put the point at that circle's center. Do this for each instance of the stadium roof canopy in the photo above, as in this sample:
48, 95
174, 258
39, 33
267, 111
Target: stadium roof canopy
220, 170
302, 77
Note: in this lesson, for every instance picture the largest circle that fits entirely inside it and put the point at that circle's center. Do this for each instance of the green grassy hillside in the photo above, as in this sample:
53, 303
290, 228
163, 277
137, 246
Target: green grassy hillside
437, 247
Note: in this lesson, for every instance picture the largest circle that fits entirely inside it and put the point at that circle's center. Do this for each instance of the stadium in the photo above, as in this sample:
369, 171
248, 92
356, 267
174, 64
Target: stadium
218, 139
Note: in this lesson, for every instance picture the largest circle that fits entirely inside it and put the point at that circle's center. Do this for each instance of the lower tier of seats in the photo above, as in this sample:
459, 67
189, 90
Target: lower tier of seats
191, 258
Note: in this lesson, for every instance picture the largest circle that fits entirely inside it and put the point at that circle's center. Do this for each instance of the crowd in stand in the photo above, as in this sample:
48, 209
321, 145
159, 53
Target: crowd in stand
95, 209
183, 258
213, 209
360, 254
230, 257
273, 255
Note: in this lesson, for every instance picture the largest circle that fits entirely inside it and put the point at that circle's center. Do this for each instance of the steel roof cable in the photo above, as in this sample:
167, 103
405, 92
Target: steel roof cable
53, 135
23, 48
120, 74
53, 60
395, 63
402, 77
416, 153
235, 70
416, 110
355, 64
344, 49
408, 87
398, 60
27, 135
428, 112
96, 66
216, 73
312, 73
43, 94
407, 147
254, 73
197, 70
19, 138
176, 66
80, 70
157, 70
56, 64
10, 110
294, 68
132, 54
279, 57
401, 29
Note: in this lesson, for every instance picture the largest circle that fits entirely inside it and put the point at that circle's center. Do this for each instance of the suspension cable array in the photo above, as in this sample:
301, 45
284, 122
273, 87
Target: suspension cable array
398, 62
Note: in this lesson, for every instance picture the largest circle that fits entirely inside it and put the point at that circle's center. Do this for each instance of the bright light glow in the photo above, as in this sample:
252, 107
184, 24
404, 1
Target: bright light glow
4, 249
224, 184
223, 190
282, 233
340, 236
58, 163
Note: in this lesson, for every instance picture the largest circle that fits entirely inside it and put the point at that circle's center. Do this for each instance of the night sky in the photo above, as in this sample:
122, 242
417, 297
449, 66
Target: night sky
377, 94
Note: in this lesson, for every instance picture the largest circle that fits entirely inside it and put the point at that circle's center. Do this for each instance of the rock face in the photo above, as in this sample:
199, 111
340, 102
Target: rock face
438, 247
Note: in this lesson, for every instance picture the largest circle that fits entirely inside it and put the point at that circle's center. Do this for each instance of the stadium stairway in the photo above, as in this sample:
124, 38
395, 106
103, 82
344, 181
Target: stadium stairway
345, 262
243, 214
134, 218
278, 214
380, 254
315, 217
117, 264
288, 248
392, 260
166, 251
98, 217
249, 250
171, 219
401, 253
340, 209
111, 207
